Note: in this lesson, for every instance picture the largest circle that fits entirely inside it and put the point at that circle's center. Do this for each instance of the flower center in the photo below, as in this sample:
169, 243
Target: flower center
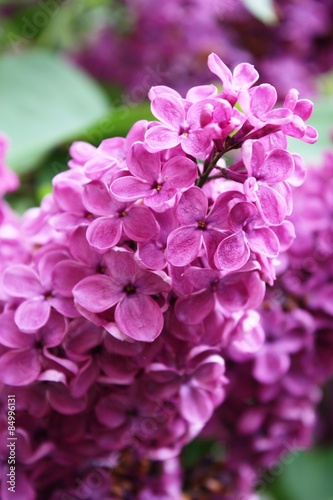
129, 289
201, 224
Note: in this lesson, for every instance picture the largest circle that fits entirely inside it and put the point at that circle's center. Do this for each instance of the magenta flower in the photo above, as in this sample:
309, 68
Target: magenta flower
153, 181
302, 110
274, 169
179, 126
24, 361
40, 296
250, 234
232, 292
137, 222
199, 384
185, 243
242, 78
129, 288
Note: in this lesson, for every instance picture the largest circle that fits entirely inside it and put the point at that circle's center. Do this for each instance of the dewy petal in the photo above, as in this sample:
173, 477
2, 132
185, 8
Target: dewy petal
143, 164
168, 109
129, 188
272, 206
140, 224
32, 314
159, 137
97, 293
20, 367
104, 232
264, 241
232, 253
21, 281
183, 246
139, 317
192, 206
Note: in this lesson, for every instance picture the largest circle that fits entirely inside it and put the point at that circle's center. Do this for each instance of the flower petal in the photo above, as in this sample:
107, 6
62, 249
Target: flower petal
264, 241
168, 109
140, 224
159, 137
97, 293
143, 164
194, 308
129, 188
104, 232
192, 206
32, 314
139, 317
20, 367
183, 246
271, 204
232, 253
21, 281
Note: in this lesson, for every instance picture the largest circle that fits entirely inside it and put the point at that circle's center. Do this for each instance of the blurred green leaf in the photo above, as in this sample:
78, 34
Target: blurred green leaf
43, 102
263, 10
322, 120
307, 477
118, 122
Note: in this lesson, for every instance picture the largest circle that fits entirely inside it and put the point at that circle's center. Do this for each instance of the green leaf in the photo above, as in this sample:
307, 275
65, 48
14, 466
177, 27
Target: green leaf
307, 477
322, 120
44, 101
118, 122
263, 10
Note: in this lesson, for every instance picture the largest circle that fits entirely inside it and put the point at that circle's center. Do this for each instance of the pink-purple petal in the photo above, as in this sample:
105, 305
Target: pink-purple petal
104, 232
183, 245
21, 281
20, 367
139, 317
97, 293
264, 241
159, 137
232, 253
32, 314
140, 224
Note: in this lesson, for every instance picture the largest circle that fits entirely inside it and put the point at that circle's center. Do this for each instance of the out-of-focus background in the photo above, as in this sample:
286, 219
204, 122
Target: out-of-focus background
81, 70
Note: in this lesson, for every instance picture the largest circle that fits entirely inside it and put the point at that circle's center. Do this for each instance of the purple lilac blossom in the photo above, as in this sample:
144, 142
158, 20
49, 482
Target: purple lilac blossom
129, 316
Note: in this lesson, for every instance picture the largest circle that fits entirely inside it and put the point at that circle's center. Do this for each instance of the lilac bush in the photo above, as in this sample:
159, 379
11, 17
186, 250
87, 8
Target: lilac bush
142, 44
129, 297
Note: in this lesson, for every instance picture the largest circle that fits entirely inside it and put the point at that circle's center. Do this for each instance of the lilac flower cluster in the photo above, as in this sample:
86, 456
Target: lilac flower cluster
144, 44
269, 412
139, 275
